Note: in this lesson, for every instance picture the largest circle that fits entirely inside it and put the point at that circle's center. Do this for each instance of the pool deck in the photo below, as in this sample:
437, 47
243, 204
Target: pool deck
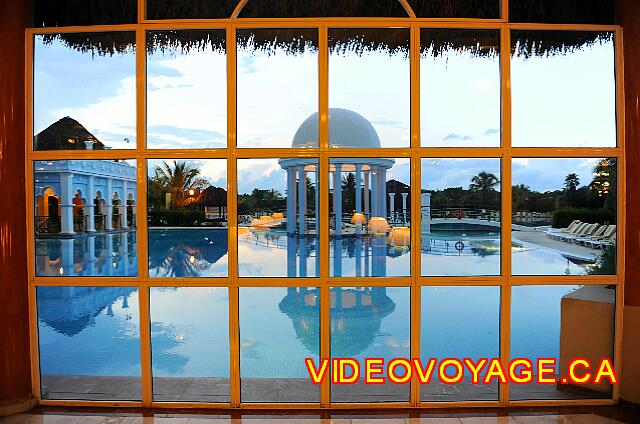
538, 237
289, 390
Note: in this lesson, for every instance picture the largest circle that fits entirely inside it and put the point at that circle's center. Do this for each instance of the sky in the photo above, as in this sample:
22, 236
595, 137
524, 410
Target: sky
564, 100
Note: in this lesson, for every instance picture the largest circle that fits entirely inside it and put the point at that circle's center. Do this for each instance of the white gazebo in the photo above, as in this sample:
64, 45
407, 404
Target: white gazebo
347, 129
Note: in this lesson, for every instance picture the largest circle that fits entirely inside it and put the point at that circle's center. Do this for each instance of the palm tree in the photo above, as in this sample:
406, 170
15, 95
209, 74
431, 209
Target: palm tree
484, 184
571, 183
182, 182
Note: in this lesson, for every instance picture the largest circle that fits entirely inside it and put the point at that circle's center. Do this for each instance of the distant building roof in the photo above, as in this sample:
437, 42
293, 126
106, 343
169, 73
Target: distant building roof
66, 134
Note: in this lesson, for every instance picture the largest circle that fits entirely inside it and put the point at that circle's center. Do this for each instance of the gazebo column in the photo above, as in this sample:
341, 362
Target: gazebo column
404, 207
91, 225
382, 192
374, 192
291, 200
292, 247
358, 196
66, 203
337, 197
302, 200
109, 206
123, 205
366, 193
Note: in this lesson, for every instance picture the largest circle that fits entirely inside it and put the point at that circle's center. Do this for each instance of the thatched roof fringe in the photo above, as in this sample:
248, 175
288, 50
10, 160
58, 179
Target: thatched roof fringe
438, 42
552, 43
392, 41
341, 40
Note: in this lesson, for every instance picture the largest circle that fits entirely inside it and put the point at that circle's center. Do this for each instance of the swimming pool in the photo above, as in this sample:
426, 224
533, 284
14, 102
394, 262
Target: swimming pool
203, 252
95, 331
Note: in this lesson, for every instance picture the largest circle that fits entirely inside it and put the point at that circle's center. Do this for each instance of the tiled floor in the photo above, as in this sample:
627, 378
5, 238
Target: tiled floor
578, 415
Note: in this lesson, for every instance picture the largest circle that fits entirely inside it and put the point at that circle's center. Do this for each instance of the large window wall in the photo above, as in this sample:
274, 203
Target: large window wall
214, 201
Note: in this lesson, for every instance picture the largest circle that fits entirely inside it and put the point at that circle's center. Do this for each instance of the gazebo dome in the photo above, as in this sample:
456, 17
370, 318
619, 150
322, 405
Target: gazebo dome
346, 129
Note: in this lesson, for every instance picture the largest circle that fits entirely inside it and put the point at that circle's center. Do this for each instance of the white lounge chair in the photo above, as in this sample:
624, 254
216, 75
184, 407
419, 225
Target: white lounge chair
553, 231
577, 230
586, 231
604, 240
595, 236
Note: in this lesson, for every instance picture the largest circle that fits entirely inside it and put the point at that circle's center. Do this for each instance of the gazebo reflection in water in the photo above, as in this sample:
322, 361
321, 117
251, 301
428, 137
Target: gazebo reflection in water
356, 317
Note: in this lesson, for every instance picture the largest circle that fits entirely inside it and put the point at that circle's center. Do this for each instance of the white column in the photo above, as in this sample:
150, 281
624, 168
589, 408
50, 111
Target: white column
358, 196
404, 207
66, 203
291, 200
91, 225
374, 192
392, 204
109, 206
337, 197
425, 202
302, 200
123, 205
382, 190
366, 193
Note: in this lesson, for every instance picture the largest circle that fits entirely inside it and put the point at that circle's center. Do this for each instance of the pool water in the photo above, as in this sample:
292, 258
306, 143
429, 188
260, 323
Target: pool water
203, 252
96, 330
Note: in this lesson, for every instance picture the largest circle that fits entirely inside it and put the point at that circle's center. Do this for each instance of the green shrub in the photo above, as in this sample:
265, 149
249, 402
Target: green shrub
175, 218
563, 217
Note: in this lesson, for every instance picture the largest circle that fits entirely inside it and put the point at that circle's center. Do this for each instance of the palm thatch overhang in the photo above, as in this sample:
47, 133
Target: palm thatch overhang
101, 12
394, 41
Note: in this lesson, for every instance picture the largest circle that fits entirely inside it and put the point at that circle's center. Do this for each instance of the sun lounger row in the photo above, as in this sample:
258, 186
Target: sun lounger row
585, 234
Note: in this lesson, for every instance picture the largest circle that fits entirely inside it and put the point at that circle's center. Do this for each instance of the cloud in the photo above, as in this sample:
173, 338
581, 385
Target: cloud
491, 131
246, 64
454, 136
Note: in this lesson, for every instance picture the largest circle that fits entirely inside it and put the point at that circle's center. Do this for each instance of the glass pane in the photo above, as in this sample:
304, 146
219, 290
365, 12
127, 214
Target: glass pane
307, 9
49, 13
563, 89
187, 217
186, 89
190, 343
272, 62
85, 218
372, 203
460, 88
84, 91
192, 9
369, 87
565, 12
269, 372
370, 322
460, 220
482, 9
564, 323
564, 216
277, 220
460, 322
89, 343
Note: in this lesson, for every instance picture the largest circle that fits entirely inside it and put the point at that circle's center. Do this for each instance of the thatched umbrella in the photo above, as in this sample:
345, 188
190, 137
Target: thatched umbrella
67, 134
213, 197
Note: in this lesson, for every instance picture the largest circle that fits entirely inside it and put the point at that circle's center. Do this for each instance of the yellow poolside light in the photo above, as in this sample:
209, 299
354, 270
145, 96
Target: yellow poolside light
399, 237
265, 218
378, 225
243, 230
277, 215
358, 218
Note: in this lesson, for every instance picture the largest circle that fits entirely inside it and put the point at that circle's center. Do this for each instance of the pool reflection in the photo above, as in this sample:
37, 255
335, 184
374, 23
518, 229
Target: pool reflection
100, 254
